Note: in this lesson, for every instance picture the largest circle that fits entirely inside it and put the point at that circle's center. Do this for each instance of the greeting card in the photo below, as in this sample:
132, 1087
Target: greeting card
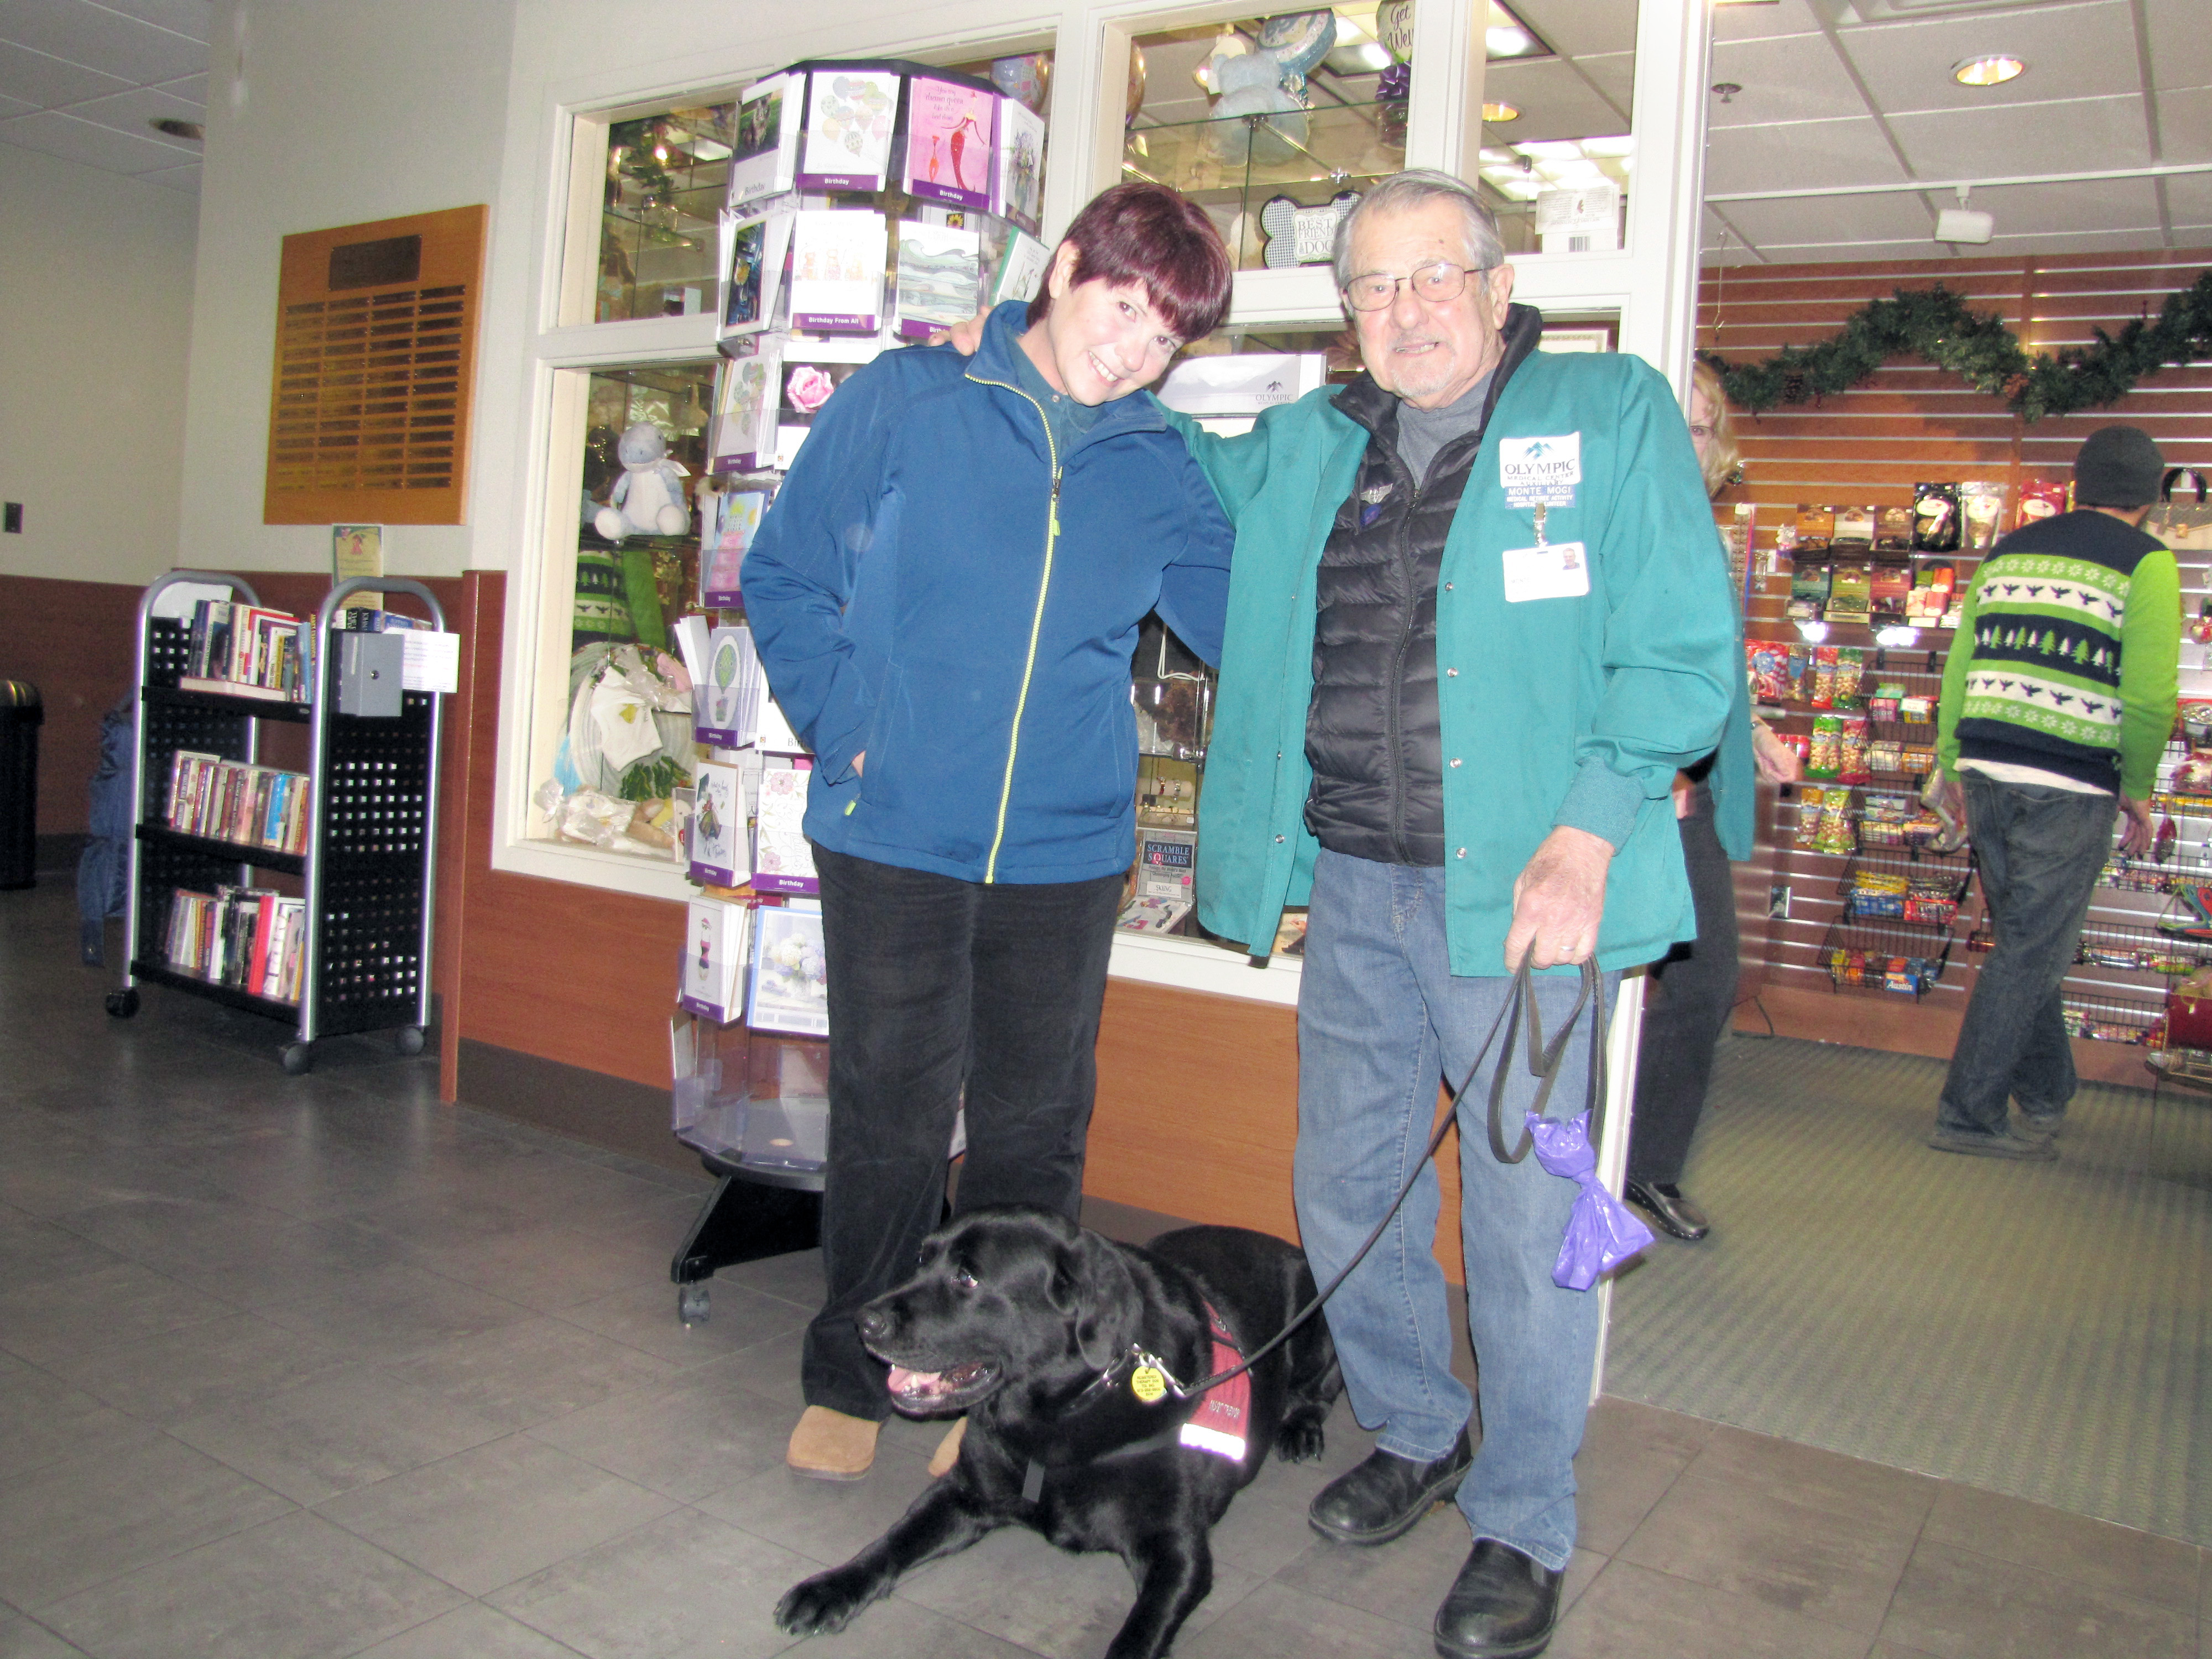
765, 159
948, 141
837, 270
850, 115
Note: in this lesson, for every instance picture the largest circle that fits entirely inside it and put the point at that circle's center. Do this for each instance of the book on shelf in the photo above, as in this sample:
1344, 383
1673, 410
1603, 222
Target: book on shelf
251, 806
250, 938
247, 650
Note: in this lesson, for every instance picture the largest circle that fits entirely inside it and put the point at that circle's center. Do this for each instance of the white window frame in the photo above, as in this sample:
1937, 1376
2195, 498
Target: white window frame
1650, 286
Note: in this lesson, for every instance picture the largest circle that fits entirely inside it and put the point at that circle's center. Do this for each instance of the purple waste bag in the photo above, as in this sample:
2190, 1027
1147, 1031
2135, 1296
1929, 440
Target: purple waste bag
1602, 1234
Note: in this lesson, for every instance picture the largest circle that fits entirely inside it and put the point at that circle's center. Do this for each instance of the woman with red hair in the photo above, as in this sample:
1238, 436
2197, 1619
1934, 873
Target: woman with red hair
946, 594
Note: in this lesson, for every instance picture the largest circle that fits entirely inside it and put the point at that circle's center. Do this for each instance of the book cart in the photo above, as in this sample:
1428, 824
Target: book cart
372, 826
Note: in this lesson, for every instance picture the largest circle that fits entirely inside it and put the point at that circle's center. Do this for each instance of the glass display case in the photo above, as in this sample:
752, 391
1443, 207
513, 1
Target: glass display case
666, 177
1260, 119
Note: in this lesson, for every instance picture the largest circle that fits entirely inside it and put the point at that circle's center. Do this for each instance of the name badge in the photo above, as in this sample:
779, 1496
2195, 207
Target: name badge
1541, 470
1557, 570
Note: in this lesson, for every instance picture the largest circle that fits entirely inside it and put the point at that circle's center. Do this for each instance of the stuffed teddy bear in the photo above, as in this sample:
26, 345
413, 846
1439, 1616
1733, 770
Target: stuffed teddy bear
1252, 84
647, 499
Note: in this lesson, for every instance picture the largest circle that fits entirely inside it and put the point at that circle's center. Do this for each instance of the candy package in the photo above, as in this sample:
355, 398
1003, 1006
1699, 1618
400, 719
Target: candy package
1883, 705
1810, 799
1916, 711
1934, 518
2039, 498
1848, 594
1786, 538
1850, 666
1801, 668
1892, 530
1981, 515
1769, 667
1835, 834
1823, 688
1854, 528
1816, 528
1888, 588
1826, 755
1808, 592
1851, 751
1885, 756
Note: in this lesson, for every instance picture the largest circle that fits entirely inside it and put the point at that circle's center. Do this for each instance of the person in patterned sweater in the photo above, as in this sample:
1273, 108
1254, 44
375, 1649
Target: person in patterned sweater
2057, 701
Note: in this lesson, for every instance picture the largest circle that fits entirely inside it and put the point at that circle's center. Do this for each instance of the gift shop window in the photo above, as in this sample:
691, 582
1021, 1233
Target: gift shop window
619, 750
667, 175
1557, 96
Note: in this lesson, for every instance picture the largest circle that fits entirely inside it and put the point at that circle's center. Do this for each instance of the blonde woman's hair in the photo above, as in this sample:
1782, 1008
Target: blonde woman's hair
1723, 461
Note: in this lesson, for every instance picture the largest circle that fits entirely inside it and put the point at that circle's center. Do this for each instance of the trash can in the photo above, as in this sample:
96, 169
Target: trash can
20, 713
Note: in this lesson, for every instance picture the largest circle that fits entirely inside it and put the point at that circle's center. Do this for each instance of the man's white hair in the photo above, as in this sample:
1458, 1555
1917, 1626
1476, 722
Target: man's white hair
1410, 189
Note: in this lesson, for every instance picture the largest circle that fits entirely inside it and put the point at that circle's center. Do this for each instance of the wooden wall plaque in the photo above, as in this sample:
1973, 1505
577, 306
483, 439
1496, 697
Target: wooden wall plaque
376, 327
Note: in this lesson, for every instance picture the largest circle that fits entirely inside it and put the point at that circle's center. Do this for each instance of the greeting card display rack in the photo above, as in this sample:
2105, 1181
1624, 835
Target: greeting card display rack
366, 866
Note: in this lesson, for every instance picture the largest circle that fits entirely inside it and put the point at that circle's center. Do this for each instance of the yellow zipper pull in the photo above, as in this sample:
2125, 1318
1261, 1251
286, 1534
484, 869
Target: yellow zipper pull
1055, 503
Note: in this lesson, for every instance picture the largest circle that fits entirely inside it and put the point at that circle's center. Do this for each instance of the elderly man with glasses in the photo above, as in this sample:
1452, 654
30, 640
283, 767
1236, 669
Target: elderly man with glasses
1478, 617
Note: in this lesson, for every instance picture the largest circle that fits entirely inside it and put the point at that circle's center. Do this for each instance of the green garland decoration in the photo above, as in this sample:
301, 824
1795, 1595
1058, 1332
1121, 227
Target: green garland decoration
1936, 326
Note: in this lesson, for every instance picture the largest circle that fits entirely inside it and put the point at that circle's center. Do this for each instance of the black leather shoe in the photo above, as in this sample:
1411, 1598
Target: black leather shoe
1382, 1498
1502, 1606
1674, 1213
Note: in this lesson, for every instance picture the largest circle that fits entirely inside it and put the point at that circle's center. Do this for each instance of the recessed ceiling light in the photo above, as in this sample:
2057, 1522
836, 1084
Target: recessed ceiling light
1497, 113
1993, 70
169, 124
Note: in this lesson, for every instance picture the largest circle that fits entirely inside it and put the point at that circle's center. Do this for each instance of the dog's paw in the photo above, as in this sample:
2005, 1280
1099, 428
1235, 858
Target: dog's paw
826, 1602
1298, 1441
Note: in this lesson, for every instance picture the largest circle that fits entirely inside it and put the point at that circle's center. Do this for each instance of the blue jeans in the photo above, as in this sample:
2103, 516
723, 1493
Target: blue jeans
1382, 1018
2041, 850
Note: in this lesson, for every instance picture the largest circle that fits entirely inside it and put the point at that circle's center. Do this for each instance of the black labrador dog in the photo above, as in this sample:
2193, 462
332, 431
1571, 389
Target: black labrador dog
1070, 1356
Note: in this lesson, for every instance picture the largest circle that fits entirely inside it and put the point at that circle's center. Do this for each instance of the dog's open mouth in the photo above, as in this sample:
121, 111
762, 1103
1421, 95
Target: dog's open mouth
929, 1390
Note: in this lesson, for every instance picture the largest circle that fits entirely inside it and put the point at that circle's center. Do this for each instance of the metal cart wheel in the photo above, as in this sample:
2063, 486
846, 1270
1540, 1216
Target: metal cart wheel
691, 1303
407, 1040
122, 1003
298, 1059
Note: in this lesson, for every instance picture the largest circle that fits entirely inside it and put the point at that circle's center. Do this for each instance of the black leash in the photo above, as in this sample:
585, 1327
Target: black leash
1543, 1065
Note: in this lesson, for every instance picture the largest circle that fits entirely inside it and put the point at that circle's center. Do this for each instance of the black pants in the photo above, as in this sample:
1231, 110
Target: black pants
1686, 1003
937, 984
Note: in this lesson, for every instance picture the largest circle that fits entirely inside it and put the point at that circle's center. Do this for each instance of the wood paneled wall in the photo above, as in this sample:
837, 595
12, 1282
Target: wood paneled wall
1870, 446
72, 641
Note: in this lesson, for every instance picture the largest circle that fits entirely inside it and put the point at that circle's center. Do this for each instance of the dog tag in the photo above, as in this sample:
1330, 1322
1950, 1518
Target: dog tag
1147, 1384
1033, 1482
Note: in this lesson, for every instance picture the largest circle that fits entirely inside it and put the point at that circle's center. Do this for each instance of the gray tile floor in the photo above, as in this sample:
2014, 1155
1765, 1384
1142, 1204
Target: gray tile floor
318, 1366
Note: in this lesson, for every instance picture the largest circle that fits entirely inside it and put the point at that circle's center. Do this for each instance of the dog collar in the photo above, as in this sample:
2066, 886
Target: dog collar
1218, 1427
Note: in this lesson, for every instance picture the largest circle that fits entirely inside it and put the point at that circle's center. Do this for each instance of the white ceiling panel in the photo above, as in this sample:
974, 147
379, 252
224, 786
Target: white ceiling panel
43, 81
1798, 155
79, 32
2086, 241
14, 106
1554, 101
1762, 23
2072, 137
1796, 78
1803, 219
186, 17
2184, 124
131, 111
2180, 44
2071, 52
87, 143
186, 179
2106, 204
1580, 27
2189, 198
1614, 73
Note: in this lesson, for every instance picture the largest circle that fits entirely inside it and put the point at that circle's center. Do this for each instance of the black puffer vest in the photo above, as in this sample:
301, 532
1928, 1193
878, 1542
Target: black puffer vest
1372, 734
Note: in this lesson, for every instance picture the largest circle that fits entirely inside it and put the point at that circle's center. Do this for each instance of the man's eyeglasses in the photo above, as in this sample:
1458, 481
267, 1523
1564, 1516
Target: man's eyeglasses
1435, 283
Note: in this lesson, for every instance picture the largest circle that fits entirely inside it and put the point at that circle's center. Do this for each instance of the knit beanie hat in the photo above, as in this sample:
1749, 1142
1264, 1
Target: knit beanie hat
2119, 467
